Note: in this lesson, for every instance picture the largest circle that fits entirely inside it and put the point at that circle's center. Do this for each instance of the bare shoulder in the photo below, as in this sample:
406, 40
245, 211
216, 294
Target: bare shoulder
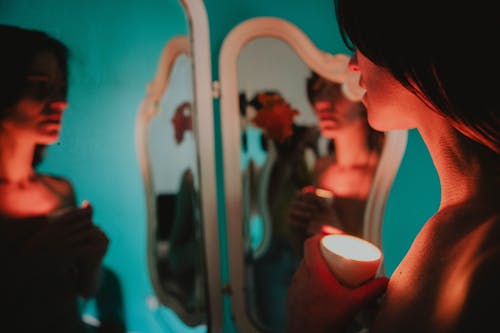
480, 310
479, 281
62, 186
449, 279
488, 254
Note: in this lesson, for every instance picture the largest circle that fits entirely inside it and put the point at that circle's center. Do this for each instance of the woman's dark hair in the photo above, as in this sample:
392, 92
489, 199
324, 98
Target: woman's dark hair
20, 47
319, 89
439, 50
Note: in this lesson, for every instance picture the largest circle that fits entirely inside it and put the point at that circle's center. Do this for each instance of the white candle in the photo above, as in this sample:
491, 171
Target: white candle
352, 260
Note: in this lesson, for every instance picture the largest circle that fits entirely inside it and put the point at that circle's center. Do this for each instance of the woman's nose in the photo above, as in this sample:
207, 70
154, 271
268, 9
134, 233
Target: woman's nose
353, 63
59, 105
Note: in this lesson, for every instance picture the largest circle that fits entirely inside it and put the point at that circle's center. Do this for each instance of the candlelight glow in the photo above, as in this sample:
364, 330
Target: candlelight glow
351, 247
328, 229
323, 193
352, 260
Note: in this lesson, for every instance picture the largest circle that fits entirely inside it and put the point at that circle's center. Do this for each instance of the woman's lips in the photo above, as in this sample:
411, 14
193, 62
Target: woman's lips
55, 118
329, 124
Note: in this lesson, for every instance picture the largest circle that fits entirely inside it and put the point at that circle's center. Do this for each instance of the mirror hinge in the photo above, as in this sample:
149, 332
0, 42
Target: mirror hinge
215, 89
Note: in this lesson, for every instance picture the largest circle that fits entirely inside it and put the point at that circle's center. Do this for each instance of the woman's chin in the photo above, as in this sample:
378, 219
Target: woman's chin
49, 137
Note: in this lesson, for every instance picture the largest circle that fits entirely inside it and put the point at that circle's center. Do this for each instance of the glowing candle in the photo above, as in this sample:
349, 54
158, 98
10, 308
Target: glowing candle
352, 260
324, 194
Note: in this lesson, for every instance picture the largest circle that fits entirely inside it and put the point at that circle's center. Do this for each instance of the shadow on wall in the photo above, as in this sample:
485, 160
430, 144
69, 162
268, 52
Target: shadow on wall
109, 307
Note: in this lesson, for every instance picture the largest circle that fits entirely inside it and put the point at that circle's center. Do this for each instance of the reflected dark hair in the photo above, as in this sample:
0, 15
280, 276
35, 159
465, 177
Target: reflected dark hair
321, 89
426, 46
20, 47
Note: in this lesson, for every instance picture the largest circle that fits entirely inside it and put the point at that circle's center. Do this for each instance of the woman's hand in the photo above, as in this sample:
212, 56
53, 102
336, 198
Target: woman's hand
311, 213
67, 241
90, 250
55, 241
317, 302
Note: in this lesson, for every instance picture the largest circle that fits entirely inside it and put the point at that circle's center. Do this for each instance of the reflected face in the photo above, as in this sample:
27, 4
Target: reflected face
390, 106
37, 116
337, 114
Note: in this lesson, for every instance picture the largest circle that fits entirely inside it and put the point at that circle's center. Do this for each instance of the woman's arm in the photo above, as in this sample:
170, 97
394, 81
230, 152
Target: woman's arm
90, 245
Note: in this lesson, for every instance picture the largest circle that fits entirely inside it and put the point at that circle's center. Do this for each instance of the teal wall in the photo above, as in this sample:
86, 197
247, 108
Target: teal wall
115, 46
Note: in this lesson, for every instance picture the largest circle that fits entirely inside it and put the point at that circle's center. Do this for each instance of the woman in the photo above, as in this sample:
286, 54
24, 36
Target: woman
50, 250
417, 74
347, 173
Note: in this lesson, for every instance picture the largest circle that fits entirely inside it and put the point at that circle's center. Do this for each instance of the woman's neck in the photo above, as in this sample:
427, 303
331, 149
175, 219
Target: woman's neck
16, 161
467, 170
351, 148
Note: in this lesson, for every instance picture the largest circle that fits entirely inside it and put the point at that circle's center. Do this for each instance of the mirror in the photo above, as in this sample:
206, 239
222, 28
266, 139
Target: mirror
275, 147
178, 176
166, 130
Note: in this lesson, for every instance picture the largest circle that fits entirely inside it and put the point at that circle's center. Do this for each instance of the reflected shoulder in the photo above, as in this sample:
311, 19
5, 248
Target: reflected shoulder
61, 185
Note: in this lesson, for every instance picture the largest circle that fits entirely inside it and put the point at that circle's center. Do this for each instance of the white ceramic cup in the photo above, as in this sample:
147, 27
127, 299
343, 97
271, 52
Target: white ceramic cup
351, 259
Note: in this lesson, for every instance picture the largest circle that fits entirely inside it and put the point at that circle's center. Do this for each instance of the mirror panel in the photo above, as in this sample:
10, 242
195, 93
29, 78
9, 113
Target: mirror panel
263, 173
178, 175
203, 127
164, 128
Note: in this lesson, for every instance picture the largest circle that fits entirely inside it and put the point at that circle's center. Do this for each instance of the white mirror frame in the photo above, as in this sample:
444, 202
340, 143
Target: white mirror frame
204, 135
331, 67
149, 108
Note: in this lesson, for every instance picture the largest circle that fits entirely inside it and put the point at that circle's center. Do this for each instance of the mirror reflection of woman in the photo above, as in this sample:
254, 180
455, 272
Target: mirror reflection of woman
347, 171
49, 248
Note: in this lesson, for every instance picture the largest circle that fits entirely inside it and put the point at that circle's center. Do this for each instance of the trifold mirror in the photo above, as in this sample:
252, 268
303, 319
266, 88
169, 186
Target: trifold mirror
275, 137
286, 128
174, 144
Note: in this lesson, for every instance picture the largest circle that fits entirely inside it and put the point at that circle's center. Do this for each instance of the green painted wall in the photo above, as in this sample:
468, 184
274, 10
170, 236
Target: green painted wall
115, 46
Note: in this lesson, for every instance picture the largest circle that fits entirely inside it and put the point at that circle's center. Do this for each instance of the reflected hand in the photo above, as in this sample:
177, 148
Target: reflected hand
89, 252
310, 212
93, 243
53, 246
317, 302
67, 240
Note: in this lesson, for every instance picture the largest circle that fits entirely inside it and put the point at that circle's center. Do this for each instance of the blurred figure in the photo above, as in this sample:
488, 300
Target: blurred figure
345, 176
183, 276
287, 171
51, 251
109, 304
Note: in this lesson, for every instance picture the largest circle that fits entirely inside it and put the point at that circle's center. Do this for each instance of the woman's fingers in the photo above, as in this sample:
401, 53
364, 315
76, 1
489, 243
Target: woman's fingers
71, 214
59, 230
371, 290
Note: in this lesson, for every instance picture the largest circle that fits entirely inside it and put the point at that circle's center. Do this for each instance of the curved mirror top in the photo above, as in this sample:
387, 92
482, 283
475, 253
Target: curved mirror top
306, 160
